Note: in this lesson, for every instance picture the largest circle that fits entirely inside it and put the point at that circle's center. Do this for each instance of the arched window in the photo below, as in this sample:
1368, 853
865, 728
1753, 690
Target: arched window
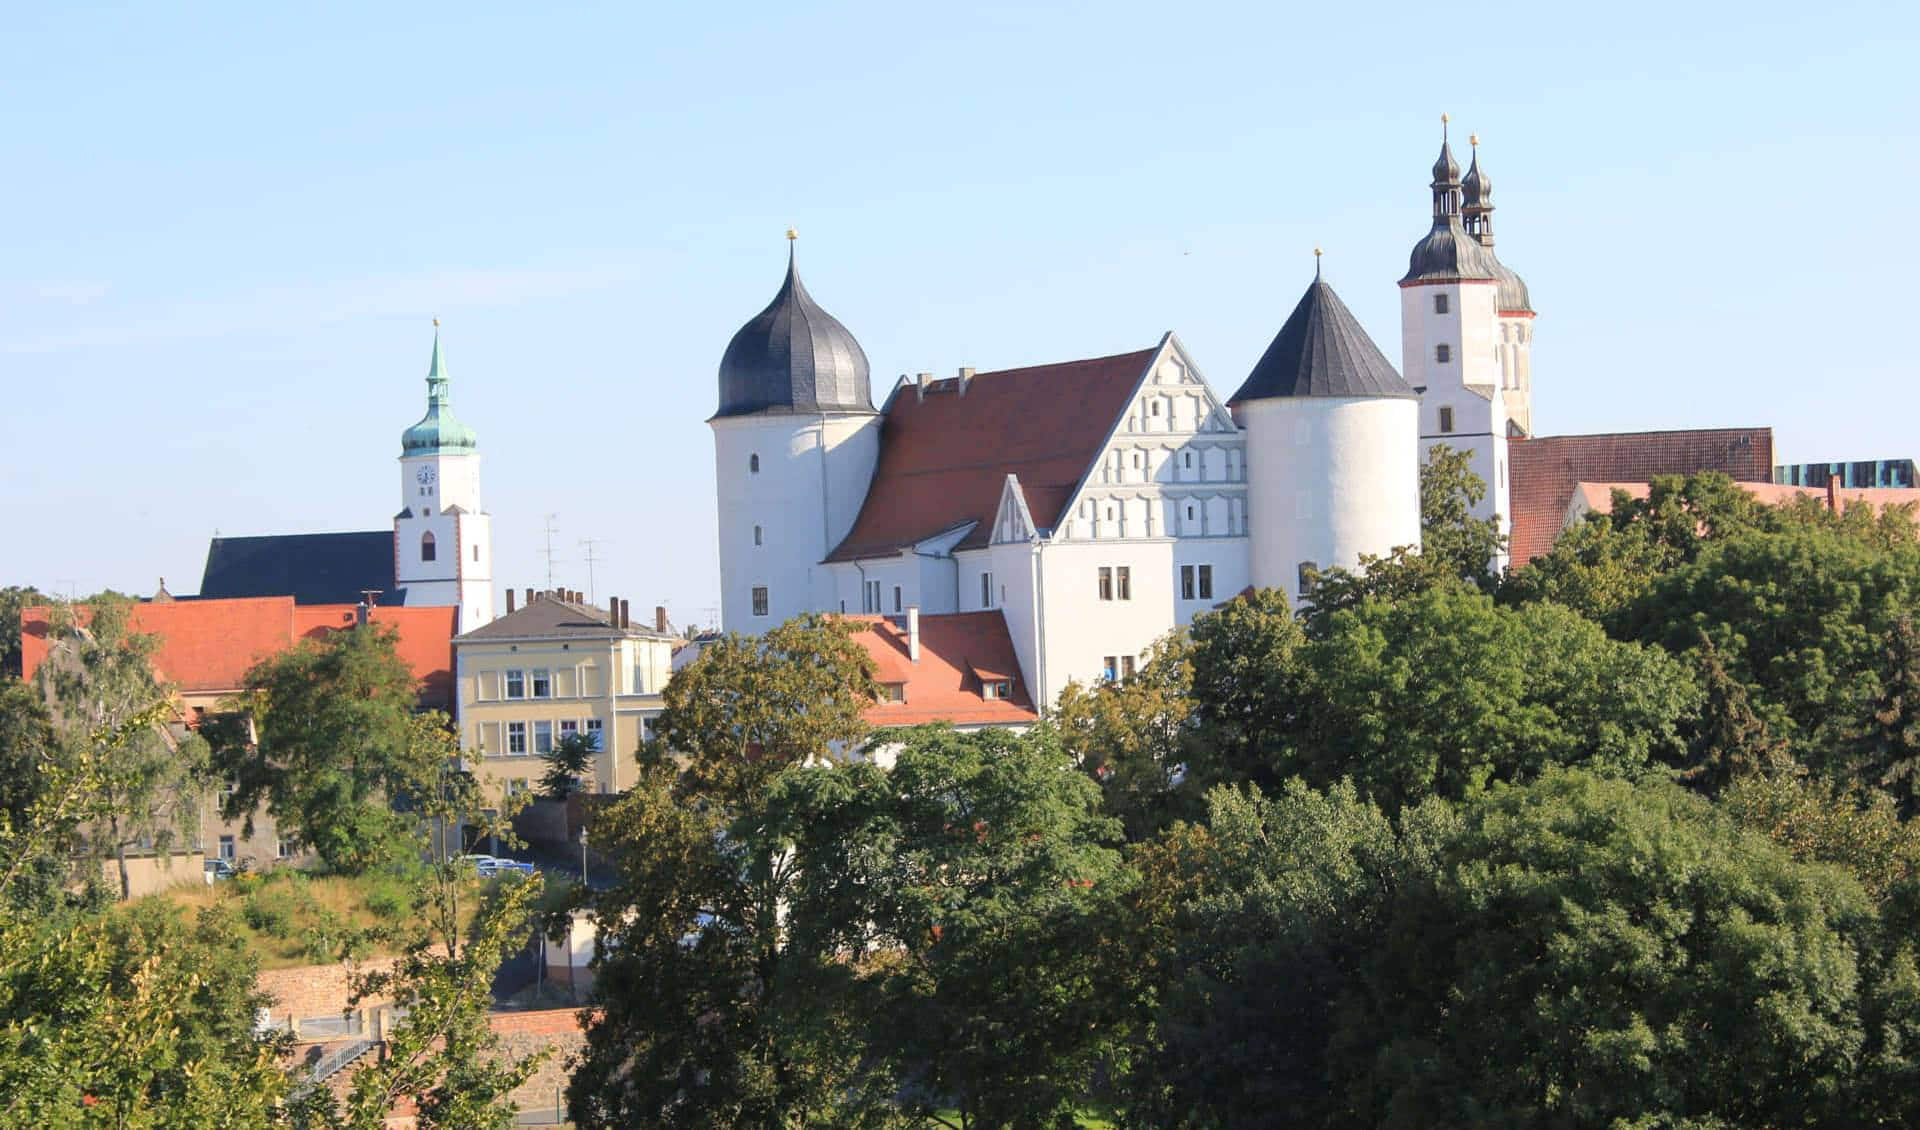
426, 546
753, 463
1443, 353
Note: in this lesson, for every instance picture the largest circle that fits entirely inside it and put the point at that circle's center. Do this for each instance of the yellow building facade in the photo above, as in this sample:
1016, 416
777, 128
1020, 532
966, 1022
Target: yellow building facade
550, 669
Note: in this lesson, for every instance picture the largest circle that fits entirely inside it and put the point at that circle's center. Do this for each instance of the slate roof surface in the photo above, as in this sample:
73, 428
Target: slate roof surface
547, 618
206, 646
1321, 350
944, 459
793, 357
311, 568
945, 685
1545, 470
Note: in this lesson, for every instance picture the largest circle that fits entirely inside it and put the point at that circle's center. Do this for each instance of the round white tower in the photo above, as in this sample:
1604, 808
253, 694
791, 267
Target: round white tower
1333, 468
795, 441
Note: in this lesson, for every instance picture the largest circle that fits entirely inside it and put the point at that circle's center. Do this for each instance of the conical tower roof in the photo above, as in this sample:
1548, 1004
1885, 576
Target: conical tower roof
793, 357
1322, 351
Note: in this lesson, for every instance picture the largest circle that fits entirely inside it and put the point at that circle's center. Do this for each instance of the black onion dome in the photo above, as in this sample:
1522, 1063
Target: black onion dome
793, 357
1322, 351
1513, 295
1448, 253
1478, 185
1446, 169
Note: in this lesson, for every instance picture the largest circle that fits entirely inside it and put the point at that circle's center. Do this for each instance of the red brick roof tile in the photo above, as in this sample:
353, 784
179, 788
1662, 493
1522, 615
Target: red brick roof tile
944, 458
944, 686
1544, 470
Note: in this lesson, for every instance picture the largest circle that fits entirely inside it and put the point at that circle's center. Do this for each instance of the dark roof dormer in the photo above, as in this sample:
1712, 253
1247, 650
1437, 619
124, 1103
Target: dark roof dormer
793, 357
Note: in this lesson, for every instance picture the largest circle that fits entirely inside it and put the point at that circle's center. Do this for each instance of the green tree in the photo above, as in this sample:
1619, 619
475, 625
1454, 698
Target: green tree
1727, 739
974, 873
1128, 735
568, 763
1890, 746
709, 1008
1598, 953
14, 599
150, 786
1248, 682
333, 745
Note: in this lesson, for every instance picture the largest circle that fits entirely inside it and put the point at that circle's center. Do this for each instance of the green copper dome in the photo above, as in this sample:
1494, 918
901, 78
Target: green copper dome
438, 433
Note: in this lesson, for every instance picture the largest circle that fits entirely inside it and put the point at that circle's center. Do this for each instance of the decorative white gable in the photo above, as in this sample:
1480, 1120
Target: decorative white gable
1013, 521
1174, 464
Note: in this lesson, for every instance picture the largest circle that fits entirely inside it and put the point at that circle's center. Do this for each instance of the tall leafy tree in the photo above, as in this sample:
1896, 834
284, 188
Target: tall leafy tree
1890, 745
100, 679
1727, 739
568, 763
1248, 683
332, 745
1128, 735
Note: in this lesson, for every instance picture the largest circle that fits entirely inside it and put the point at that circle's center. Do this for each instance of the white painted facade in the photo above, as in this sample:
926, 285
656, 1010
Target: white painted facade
1450, 338
442, 539
790, 486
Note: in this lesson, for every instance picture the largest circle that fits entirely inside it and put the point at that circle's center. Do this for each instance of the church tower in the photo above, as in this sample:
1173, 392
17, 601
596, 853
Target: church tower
795, 440
1450, 323
1332, 465
1514, 348
442, 539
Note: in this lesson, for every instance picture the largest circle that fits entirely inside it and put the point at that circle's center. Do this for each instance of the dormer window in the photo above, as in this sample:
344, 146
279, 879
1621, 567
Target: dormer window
1443, 353
893, 692
1440, 303
997, 688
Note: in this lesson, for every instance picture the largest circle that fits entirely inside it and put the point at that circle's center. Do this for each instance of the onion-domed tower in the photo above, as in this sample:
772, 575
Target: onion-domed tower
1514, 347
1449, 333
442, 539
1333, 471
795, 439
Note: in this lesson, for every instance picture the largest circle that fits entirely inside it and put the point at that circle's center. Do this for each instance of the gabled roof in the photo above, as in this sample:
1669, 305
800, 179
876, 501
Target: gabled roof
956, 649
311, 568
1544, 470
1322, 351
945, 455
206, 646
548, 618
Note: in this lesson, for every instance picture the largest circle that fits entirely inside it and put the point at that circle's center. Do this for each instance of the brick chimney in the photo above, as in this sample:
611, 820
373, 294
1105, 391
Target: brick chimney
509, 600
613, 611
660, 618
626, 615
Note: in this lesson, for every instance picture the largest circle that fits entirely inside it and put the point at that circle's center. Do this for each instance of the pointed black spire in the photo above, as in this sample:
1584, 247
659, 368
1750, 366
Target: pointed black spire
793, 357
1478, 209
1448, 252
1322, 351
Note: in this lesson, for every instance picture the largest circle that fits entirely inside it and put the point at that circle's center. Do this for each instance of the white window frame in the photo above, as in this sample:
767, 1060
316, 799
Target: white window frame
513, 676
516, 732
593, 728
538, 676
542, 736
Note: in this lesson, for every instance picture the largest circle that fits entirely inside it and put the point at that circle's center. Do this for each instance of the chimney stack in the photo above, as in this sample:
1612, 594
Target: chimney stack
529, 597
626, 615
1833, 494
913, 633
509, 600
660, 618
922, 380
613, 611
966, 378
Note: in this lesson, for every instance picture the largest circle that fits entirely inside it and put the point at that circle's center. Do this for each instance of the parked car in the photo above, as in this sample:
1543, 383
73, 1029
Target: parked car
218, 869
489, 866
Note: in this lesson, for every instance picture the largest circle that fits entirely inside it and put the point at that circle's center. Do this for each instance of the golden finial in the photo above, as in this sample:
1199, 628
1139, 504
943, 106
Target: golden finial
792, 235
1473, 139
1316, 263
436, 323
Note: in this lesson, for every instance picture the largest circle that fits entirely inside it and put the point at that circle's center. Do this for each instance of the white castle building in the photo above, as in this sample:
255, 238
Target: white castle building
1098, 504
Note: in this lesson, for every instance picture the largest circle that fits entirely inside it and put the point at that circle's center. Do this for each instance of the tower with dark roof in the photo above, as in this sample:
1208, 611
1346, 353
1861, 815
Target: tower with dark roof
442, 538
1332, 464
1513, 348
795, 440
1452, 325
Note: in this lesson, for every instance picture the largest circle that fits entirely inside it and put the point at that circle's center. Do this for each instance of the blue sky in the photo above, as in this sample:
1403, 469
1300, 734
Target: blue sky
228, 228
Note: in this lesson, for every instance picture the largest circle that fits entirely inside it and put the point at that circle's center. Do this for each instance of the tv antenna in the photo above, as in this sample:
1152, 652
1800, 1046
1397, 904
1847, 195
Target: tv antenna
592, 556
551, 530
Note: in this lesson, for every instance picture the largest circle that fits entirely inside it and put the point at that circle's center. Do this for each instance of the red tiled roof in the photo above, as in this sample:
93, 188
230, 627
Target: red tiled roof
206, 646
943, 686
944, 457
1544, 470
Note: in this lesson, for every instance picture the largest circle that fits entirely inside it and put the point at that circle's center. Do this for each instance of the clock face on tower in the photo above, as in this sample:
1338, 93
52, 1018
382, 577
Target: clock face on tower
425, 475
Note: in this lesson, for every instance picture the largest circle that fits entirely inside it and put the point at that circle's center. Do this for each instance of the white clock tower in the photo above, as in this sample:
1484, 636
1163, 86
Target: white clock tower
442, 539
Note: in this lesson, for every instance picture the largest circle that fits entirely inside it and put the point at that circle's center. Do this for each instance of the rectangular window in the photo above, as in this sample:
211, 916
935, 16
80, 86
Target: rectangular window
569, 728
1446, 419
997, 688
518, 786
1206, 582
1186, 582
986, 590
1308, 571
1123, 582
759, 600
1439, 303
283, 849
870, 597
1126, 667
543, 737
896, 598
516, 739
593, 732
516, 684
542, 683
228, 850
1110, 668
639, 676
1106, 583
893, 692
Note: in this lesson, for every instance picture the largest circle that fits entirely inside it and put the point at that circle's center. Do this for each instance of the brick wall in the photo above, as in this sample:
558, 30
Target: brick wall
527, 1033
307, 991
